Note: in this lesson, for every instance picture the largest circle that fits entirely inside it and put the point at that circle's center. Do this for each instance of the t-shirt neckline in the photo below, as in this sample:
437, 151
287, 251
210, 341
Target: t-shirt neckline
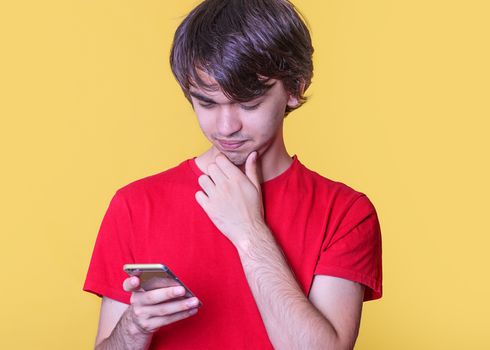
294, 164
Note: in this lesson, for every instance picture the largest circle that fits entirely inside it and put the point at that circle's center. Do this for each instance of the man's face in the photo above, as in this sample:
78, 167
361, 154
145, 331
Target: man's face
237, 129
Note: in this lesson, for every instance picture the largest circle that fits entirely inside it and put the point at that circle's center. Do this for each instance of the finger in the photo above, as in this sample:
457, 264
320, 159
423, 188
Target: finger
228, 168
216, 174
171, 307
157, 296
202, 199
251, 169
206, 184
154, 323
131, 284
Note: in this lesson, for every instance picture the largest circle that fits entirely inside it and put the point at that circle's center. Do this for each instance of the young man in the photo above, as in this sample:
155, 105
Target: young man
279, 256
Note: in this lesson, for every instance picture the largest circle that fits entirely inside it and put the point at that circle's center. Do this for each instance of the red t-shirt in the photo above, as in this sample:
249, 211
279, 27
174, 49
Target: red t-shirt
323, 227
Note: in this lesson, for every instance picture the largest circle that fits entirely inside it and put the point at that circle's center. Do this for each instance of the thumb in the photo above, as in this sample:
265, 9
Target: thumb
251, 169
131, 284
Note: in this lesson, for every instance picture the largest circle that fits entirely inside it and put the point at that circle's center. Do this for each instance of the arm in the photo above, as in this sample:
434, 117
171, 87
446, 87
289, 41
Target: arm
330, 319
132, 327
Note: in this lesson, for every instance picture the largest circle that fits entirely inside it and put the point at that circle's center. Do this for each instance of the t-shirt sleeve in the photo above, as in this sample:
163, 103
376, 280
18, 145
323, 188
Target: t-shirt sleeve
353, 251
112, 250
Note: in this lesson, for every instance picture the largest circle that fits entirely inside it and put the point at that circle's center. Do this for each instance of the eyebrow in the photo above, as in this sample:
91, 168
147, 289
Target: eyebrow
202, 97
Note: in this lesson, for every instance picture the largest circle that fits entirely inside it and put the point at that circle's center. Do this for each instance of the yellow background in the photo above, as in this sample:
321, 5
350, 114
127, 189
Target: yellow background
399, 109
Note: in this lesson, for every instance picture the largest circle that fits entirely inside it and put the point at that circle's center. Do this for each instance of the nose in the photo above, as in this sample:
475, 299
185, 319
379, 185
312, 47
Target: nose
228, 121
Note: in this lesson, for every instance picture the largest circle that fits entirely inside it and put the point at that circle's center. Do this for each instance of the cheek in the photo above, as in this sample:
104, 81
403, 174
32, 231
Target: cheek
269, 126
205, 123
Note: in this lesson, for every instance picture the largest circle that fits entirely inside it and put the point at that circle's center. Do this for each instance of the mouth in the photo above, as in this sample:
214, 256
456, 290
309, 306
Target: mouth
229, 145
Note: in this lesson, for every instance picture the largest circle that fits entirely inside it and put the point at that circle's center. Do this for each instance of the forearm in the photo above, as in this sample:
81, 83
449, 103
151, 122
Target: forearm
292, 322
125, 336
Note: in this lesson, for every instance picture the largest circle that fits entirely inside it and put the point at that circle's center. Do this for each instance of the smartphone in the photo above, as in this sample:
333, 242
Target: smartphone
153, 276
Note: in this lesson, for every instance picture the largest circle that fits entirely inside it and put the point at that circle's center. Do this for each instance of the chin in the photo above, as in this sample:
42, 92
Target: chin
238, 159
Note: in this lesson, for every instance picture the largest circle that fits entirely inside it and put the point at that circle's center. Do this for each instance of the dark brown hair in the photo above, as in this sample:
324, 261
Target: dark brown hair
242, 44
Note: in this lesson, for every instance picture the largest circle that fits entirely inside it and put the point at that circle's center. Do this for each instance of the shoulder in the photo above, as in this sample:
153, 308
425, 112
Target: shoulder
334, 192
173, 179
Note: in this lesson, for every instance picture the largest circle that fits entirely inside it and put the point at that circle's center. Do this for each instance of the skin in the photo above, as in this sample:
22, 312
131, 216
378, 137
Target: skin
247, 149
259, 123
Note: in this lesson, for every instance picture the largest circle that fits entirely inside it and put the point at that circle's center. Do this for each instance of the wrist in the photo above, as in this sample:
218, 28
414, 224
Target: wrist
256, 233
132, 328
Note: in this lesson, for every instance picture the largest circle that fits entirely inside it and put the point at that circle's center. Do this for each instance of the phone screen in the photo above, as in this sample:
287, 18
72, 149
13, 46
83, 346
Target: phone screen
156, 279
154, 276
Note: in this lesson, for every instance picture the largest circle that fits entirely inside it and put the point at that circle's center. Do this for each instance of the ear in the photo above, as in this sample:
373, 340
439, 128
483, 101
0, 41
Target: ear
293, 100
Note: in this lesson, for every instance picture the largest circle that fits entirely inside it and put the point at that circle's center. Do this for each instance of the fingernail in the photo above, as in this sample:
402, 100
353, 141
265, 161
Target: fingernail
192, 311
192, 302
179, 291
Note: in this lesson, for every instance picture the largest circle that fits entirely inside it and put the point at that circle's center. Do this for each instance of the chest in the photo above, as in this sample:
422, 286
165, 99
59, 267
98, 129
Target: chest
179, 234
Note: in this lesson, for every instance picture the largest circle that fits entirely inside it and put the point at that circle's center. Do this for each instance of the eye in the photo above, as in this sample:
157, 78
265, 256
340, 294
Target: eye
207, 105
250, 108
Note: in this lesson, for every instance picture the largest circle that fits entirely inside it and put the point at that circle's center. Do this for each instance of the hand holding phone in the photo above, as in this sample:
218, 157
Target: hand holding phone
158, 297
